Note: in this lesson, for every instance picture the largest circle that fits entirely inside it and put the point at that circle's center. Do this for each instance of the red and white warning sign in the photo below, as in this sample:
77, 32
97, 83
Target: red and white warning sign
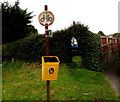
46, 18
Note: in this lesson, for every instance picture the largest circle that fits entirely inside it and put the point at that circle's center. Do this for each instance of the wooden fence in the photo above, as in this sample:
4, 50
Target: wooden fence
110, 49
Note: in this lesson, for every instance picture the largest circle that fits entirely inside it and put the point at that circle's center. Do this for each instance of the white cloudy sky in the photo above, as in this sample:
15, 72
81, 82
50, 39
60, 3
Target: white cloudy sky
99, 15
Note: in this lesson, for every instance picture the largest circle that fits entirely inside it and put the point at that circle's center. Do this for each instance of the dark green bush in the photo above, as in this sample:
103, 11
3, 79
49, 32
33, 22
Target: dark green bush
60, 45
28, 49
72, 64
33, 47
89, 46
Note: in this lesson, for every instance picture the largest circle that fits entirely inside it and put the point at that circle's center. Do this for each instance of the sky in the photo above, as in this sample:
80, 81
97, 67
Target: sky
98, 15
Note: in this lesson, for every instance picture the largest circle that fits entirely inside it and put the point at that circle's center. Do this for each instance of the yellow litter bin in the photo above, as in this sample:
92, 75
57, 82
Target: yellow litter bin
50, 66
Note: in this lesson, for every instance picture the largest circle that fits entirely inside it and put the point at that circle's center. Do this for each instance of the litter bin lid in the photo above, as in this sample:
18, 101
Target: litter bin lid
50, 59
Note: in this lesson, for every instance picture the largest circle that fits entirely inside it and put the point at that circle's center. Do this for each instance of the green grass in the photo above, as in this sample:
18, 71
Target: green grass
22, 81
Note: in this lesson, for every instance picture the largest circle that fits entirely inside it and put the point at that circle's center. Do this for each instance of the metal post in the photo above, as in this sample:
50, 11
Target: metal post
47, 54
47, 40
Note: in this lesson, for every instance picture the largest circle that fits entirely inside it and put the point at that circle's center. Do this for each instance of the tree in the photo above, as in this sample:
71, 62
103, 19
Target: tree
116, 35
15, 22
32, 29
101, 33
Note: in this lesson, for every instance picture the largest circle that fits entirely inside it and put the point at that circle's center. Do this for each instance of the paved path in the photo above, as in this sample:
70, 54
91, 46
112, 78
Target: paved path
113, 76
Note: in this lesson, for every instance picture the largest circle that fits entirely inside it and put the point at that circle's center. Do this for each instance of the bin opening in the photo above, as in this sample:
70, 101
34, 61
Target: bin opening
50, 59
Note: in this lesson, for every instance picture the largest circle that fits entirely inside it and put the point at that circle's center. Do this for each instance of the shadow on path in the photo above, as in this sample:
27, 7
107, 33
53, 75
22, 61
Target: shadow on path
113, 76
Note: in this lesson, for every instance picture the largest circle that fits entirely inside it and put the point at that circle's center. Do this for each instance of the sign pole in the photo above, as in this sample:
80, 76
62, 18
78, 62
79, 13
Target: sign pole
46, 18
47, 54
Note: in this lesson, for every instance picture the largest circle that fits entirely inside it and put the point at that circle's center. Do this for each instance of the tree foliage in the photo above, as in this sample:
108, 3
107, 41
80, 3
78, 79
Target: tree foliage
116, 35
15, 22
31, 29
101, 33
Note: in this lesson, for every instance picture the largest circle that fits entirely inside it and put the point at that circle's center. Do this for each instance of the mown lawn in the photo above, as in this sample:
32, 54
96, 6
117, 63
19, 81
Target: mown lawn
22, 81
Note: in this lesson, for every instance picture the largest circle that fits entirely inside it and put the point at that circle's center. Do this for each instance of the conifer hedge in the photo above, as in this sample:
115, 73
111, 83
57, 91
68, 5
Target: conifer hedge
89, 46
28, 49
33, 47
60, 45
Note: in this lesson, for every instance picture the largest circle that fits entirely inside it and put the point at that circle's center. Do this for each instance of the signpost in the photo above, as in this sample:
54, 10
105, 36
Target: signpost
46, 18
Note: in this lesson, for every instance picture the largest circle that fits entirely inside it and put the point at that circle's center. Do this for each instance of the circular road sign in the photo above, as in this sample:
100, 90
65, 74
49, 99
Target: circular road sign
46, 18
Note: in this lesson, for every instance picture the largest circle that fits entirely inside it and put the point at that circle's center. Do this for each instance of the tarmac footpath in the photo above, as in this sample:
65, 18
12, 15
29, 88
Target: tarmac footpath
113, 76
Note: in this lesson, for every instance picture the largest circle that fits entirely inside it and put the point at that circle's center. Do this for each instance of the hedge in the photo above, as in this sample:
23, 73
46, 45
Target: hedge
28, 49
60, 45
89, 46
33, 47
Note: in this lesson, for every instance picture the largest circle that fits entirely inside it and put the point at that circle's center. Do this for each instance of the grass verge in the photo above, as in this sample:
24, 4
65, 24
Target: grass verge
22, 81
